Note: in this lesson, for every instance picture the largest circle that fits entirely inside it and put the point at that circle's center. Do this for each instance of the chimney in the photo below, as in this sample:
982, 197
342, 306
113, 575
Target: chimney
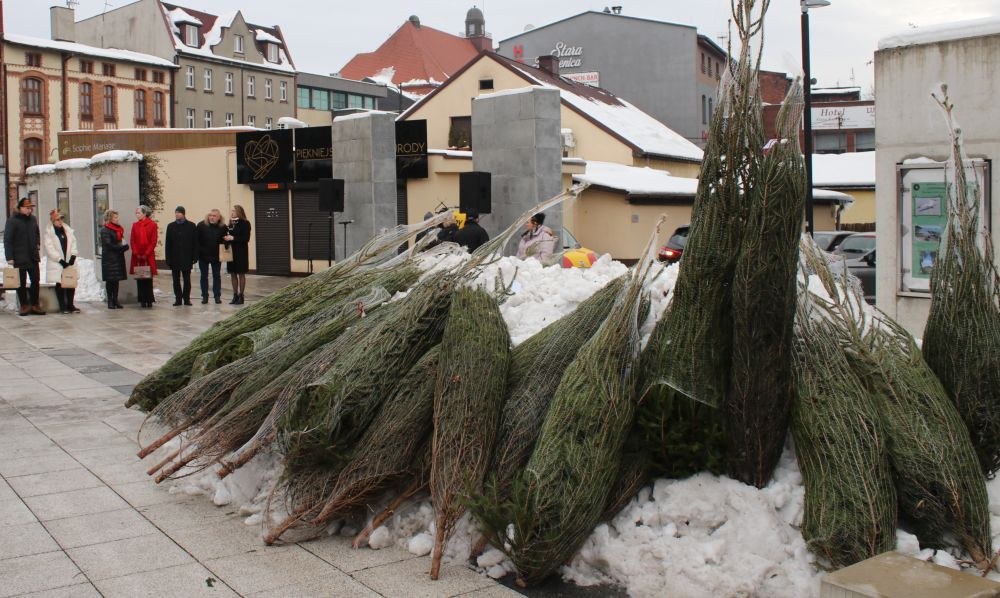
63, 25
549, 64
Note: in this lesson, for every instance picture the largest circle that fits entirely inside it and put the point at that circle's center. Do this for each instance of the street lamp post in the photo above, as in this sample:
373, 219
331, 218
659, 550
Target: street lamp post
807, 114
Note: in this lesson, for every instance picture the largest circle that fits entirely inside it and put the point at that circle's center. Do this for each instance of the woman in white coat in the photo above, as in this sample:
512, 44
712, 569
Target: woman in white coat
59, 244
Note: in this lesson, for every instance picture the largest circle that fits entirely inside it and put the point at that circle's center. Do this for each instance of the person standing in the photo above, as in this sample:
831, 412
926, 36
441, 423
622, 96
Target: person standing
471, 236
112, 257
21, 246
143, 238
210, 233
181, 249
538, 241
238, 237
59, 242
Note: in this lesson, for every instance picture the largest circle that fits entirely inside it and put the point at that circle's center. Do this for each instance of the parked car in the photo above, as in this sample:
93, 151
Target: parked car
829, 240
856, 245
672, 251
573, 254
858, 251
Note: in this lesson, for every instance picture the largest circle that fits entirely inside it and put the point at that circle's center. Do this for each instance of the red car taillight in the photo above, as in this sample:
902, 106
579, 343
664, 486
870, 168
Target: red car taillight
667, 253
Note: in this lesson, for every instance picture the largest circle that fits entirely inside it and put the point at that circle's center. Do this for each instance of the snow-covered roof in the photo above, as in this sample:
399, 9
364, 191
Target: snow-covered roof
179, 15
851, 170
80, 163
83, 49
931, 34
263, 36
835, 90
649, 182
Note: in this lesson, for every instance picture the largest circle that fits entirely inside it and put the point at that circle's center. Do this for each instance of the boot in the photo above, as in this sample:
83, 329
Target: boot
236, 299
70, 307
239, 301
37, 310
61, 299
25, 310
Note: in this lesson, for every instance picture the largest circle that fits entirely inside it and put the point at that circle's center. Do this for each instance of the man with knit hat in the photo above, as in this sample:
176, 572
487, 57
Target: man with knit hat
181, 251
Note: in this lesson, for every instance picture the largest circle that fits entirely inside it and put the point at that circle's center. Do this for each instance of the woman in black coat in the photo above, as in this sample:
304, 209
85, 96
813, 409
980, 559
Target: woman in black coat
238, 238
112, 257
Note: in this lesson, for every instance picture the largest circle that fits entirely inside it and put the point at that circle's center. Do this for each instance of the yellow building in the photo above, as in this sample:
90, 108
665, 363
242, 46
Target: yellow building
854, 174
58, 86
596, 126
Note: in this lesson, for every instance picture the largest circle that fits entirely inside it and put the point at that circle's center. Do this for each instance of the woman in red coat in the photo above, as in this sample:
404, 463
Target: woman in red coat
143, 242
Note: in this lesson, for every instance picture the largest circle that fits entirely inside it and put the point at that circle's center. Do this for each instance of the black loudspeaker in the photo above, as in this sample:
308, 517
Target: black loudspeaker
331, 195
474, 192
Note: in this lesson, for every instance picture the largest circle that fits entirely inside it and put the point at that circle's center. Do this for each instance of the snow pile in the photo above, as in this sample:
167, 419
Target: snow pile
263, 36
932, 34
116, 156
853, 169
80, 163
179, 16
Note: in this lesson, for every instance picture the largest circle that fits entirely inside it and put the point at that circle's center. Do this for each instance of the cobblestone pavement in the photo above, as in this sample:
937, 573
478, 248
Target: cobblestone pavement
80, 517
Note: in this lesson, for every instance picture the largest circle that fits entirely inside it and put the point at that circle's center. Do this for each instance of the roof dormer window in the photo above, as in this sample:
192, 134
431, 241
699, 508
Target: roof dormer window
272, 53
191, 35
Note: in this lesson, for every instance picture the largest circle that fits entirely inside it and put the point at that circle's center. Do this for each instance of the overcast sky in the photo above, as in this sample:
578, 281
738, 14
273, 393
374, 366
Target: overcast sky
323, 36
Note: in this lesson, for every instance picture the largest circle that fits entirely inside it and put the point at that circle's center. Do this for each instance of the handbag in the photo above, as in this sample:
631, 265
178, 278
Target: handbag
225, 253
69, 277
143, 272
11, 278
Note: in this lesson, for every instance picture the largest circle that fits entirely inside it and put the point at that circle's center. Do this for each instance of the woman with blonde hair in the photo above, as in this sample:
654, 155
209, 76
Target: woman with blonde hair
210, 233
238, 238
112, 257
59, 244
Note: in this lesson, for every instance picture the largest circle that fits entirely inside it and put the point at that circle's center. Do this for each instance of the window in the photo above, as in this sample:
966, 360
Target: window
830, 143
191, 35
320, 99
229, 84
268, 122
303, 95
189, 83
158, 108
460, 134
86, 101
369, 102
33, 59
62, 203
272, 53
32, 152
354, 101
190, 118
101, 206
251, 121
702, 62
717, 69
140, 106
108, 69
140, 74
704, 110
87, 66
864, 141
158, 77
109, 103
709, 110
267, 89
283, 91
251, 86
339, 100
238, 44
31, 96
229, 119
208, 119
208, 79
485, 84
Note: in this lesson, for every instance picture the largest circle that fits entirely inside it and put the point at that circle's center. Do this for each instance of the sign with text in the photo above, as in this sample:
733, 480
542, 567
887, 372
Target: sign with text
592, 78
264, 157
313, 154
828, 118
411, 149
570, 57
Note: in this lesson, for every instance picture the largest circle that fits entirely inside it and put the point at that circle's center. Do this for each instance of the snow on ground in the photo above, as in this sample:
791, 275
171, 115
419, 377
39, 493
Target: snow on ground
89, 288
702, 536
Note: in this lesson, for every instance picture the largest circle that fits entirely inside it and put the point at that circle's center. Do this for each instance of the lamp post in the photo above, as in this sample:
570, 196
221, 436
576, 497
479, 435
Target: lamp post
807, 114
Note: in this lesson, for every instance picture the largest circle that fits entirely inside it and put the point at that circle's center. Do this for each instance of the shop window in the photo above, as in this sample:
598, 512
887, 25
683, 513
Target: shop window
460, 133
87, 66
108, 69
33, 59
140, 106
32, 152
109, 103
31, 96
86, 101
62, 204
158, 108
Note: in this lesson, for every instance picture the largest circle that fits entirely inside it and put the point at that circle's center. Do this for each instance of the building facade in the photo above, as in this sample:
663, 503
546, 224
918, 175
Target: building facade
230, 72
319, 97
55, 86
666, 69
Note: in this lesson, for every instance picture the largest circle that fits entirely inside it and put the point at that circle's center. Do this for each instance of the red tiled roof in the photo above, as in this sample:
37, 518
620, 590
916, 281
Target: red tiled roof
417, 53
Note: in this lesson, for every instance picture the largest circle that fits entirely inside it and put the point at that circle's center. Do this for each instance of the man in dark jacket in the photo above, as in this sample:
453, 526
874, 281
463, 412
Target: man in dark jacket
471, 235
21, 241
181, 249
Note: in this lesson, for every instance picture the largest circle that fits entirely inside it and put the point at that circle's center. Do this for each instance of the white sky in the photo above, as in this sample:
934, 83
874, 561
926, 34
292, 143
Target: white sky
323, 36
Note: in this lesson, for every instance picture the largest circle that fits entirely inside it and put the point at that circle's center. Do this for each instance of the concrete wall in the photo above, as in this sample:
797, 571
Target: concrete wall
649, 63
910, 125
365, 157
138, 26
517, 140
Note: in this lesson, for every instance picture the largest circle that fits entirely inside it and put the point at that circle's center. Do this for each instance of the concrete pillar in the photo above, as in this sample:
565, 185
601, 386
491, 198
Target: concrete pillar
516, 137
364, 155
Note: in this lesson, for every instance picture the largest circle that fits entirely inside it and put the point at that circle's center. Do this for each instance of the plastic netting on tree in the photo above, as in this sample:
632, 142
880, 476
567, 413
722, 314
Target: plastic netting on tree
962, 335
840, 442
761, 389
